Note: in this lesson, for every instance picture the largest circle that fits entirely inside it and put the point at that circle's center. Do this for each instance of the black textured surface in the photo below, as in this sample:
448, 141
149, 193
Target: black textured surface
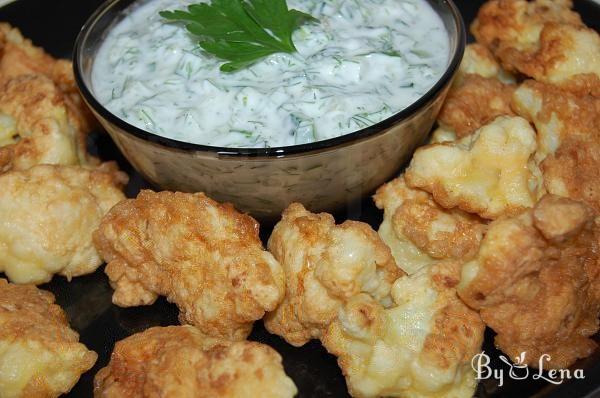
54, 25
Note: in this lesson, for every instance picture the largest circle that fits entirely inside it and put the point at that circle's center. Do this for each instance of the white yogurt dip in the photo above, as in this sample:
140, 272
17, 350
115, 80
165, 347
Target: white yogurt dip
362, 62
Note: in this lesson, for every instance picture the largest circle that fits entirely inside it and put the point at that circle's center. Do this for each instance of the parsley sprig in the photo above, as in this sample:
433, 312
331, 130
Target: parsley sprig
242, 31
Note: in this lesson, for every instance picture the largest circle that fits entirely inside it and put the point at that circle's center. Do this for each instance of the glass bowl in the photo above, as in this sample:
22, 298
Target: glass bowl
324, 175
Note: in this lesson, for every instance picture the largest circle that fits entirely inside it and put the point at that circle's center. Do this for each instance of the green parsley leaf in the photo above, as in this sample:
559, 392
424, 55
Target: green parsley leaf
241, 31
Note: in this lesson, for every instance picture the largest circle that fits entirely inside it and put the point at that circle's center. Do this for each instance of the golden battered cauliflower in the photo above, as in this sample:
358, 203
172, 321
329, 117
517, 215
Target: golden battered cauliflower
40, 355
505, 24
180, 361
481, 92
420, 347
47, 216
568, 56
536, 282
37, 126
19, 57
203, 256
568, 139
490, 173
325, 265
543, 39
420, 232
473, 103
478, 60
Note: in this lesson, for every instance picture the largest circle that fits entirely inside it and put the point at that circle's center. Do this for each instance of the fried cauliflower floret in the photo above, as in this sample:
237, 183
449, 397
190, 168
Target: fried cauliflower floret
542, 39
420, 232
568, 56
473, 103
40, 355
47, 217
37, 126
325, 265
481, 92
490, 173
421, 347
568, 139
19, 57
203, 256
180, 361
478, 60
504, 24
535, 282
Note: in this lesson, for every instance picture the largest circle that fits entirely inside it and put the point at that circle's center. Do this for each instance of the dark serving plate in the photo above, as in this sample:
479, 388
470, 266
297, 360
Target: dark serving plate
54, 24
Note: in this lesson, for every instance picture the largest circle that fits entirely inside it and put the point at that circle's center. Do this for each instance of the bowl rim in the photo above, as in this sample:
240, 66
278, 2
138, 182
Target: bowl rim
268, 152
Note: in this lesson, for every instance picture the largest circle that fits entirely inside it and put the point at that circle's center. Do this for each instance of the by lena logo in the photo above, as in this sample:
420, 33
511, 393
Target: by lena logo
518, 370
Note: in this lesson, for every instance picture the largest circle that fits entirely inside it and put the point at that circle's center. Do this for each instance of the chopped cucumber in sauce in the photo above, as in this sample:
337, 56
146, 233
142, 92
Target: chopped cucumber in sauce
364, 61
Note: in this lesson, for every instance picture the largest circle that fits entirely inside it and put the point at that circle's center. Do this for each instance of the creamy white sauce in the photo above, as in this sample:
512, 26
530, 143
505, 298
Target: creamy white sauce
364, 61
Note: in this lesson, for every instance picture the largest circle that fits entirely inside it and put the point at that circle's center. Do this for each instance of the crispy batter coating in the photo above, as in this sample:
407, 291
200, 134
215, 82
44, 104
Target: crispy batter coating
481, 91
47, 216
473, 103
478, 60
543, 39
421, 347
325, 265
40, 355
568, 56
536, 282
504, 24
180, 361
420, 232
490, 173
37, 126
568, 137
19, 57
203, 256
